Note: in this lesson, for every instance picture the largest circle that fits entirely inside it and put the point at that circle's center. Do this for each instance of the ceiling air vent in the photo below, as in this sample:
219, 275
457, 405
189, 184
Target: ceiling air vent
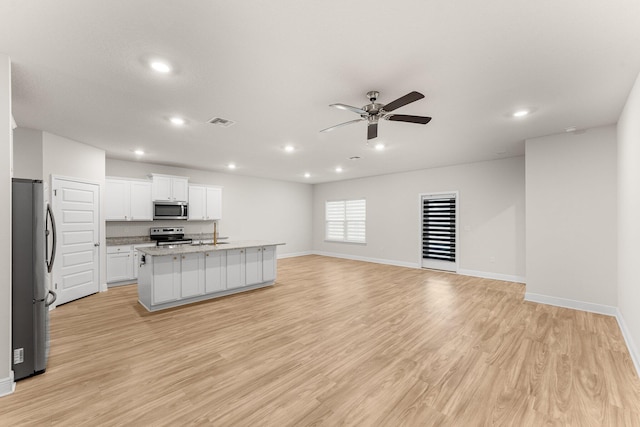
219, 121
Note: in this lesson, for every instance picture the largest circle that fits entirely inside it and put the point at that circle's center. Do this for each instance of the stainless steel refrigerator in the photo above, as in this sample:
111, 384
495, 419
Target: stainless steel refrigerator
33, 253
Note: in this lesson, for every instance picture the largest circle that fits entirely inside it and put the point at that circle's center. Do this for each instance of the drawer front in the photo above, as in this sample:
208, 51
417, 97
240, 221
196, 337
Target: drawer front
118, 249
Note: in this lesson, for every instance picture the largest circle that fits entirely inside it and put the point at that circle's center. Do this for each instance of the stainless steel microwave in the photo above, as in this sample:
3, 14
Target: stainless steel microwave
170, 210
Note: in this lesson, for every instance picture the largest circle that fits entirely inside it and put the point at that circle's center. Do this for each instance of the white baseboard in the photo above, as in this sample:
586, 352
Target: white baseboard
569, 303
7, 385
366, 259
294, 254
489, 275
631, 345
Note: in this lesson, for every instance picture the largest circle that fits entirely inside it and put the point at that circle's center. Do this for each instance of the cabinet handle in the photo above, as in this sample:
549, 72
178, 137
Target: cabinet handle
241, 252
175, 258
207, 254
183, 257
259, 249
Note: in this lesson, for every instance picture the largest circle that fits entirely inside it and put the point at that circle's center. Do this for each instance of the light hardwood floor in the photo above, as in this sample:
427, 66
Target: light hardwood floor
334, 342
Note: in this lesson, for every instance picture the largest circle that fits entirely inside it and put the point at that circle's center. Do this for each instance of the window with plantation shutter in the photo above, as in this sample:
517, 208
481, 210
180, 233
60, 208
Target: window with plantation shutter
439, 231
346, 220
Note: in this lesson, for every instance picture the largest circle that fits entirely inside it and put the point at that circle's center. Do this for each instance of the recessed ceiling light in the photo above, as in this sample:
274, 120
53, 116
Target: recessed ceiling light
307, 174
571, 129
178, 121
521, 113
161, 67
379, 146
289, 148
231, 165
338, 169
139, 152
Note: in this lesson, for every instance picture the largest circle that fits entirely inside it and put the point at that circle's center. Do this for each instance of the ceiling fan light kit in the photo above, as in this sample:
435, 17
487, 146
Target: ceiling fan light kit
374, 111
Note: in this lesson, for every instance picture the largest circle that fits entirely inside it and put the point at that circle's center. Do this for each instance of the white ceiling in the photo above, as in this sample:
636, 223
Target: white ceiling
80, 70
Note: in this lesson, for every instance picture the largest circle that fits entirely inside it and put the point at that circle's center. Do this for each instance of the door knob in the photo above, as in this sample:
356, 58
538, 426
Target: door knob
97, 244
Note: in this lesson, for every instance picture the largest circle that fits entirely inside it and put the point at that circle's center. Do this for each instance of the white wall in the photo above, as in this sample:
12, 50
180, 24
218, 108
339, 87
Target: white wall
65, 157
628, 219
491, 216
571, 217
27, 153
252, 208
6, 379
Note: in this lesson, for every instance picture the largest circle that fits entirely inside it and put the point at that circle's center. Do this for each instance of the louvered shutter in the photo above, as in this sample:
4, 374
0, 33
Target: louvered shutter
346, 220
439, 231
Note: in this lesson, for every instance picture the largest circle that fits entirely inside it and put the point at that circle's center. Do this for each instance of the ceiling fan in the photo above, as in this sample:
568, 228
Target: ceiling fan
373, 112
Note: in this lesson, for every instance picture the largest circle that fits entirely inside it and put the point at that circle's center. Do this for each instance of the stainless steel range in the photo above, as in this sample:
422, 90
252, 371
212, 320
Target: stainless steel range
169, 236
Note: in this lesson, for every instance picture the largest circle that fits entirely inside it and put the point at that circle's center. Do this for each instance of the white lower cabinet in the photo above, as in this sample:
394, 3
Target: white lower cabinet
215, 276
170, 280
260, 264
235, 268
119, 263
192, 275
269, 263
136, 257
253, 266
166, 279
123, 262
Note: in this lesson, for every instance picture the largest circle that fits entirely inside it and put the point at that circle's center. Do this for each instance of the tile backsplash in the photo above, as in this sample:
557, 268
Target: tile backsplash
141, 228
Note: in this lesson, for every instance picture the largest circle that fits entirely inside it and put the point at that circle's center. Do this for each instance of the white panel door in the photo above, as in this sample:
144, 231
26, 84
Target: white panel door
76, 207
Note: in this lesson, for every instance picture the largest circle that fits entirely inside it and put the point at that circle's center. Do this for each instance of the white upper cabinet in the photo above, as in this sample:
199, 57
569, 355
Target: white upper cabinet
197, 202
141, 204
128, 200
205, 203
117, 199
214, 203
170, 188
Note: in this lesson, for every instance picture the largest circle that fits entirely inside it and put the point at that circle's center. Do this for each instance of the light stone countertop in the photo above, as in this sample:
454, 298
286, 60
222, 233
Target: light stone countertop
130, 240
136, 240
191, 249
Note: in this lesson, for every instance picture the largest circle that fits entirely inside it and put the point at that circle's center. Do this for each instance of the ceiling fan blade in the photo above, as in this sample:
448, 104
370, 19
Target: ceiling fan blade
340, 125
372, 130
407, 99
410, 119
349, 108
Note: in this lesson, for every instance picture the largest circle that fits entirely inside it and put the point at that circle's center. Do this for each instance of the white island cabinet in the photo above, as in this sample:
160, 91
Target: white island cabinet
169, 277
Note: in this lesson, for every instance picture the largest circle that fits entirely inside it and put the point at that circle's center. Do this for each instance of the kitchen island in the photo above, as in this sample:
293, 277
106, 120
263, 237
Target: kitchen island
170, 276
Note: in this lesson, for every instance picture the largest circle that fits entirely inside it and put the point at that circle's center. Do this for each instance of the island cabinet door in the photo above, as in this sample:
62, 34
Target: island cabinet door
215, 278
269, 263
254, 266
192, 275
166, 279
235, 268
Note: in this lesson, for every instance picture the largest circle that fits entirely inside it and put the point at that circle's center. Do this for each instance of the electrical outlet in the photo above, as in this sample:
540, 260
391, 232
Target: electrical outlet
18, 355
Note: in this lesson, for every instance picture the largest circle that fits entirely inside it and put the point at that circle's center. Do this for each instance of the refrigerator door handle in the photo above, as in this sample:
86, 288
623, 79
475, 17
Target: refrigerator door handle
53, 231
55, 297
